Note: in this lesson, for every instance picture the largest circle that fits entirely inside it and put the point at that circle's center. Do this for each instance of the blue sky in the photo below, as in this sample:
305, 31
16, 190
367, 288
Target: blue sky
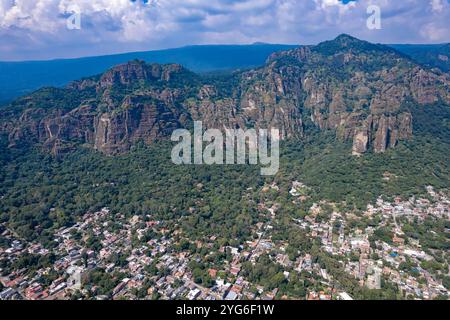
38, 29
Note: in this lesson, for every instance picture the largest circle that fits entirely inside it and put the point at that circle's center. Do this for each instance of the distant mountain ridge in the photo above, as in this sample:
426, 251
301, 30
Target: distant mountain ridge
433, 56
20, 78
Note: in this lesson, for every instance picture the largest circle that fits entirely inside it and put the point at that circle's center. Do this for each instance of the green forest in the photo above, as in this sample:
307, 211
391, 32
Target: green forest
40, 193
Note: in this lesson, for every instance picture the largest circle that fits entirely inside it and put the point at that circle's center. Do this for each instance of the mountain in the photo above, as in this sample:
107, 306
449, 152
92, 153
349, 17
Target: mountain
19, 78
102, 141
433, 56
365, 93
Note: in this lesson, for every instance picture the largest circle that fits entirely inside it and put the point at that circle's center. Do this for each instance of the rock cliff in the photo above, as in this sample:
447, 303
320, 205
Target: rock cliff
359, 90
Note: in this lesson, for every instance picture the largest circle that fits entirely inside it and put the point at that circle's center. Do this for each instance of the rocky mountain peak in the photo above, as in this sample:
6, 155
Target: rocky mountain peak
346, 39
346, 43
136, 70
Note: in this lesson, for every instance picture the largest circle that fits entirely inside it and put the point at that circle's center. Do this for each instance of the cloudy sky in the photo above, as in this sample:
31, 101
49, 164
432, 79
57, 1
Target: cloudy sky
38, 29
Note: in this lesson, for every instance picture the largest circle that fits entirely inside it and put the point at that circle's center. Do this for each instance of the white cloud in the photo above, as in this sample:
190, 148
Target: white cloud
434, 32
37, 29
437, 5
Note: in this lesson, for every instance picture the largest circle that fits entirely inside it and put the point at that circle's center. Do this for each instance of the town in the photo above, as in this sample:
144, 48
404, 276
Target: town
108, 255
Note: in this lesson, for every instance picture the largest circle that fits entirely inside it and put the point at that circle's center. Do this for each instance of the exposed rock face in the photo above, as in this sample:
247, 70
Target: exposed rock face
382, 132
135, 71
299, 54
359, 90
366, 98
360, 141
116, 132
270, 98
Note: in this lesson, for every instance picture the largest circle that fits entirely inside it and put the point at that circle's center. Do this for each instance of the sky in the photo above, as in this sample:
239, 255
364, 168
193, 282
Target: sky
39, 29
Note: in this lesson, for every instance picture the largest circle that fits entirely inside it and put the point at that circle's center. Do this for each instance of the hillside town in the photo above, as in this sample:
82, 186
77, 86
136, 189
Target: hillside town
108, 255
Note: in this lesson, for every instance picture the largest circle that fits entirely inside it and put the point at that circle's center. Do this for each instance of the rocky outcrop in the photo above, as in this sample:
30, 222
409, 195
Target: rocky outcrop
382, 132
138, 121
36, 126
136, 71
299, 54
359, 90
360, 141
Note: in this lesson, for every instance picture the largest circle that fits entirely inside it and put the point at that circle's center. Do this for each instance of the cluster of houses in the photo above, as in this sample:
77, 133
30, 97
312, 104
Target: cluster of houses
138, 254
370, 264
